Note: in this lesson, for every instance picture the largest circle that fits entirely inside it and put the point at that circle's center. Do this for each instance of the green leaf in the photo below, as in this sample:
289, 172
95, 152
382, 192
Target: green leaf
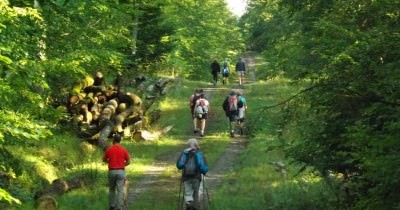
4, 195
5, 60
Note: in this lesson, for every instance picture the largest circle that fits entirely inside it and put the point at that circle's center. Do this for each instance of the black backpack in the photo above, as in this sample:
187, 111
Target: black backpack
191, 169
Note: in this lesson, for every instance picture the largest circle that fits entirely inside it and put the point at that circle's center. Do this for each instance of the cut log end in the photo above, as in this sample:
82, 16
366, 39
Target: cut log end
46, 202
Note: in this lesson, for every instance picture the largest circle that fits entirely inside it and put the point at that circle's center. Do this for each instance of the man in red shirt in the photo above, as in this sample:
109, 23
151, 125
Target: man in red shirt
117, 158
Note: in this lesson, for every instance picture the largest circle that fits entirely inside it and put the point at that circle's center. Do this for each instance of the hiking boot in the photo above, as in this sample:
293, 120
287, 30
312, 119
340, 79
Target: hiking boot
232, 134
194, 131
201, 134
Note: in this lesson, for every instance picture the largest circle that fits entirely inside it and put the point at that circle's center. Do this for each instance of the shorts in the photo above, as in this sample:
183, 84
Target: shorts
241, 73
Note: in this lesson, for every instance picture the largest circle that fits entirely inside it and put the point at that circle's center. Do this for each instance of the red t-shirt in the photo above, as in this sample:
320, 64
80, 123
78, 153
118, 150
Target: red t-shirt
116, 156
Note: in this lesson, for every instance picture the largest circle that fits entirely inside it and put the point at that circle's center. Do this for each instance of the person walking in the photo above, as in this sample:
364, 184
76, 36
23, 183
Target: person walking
242, 107
193, 164
230, 106
201, 110
117, 158
225, 71
192, 104
215, 70
241, 70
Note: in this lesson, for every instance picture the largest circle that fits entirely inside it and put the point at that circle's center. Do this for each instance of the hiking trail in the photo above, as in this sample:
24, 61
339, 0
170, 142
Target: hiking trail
154, 177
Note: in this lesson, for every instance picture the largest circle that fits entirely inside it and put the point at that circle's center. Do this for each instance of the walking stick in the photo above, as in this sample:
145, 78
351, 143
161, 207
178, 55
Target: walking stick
206, 189
179, 207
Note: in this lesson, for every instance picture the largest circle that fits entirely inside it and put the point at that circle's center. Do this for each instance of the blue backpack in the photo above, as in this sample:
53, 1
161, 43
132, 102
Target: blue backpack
225, 70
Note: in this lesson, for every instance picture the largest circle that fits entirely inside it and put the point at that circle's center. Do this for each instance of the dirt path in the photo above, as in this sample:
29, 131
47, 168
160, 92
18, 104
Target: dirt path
154, 177
227, 160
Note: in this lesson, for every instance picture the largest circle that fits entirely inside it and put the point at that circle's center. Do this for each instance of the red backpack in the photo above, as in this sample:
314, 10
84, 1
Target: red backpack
233, 103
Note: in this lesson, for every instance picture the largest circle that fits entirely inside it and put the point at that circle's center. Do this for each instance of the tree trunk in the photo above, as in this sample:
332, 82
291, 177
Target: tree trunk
46, 199
135, 28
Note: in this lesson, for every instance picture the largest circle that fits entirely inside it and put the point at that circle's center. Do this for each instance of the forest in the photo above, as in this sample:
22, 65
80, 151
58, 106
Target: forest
325, 100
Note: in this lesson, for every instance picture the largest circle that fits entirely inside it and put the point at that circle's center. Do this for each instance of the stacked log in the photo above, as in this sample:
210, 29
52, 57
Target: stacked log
99, 110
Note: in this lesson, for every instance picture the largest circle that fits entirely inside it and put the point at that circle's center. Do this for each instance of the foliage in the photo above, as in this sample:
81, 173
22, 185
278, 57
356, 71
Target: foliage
204, 30
22, 105
48, 45
256, 182
7, 197
348, 121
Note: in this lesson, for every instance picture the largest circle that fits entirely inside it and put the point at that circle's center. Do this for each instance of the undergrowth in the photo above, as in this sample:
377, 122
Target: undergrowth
264, 178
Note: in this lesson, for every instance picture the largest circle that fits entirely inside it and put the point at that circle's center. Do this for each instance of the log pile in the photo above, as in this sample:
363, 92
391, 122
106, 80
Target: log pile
99, 110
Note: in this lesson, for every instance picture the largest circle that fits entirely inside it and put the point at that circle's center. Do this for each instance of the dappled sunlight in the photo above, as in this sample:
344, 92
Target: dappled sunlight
42, 168
95, 165
275, 184
169, 105
311, 179
265, 137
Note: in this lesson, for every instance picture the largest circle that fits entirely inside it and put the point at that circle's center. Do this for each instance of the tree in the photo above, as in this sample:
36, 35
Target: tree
204, 30
348, 52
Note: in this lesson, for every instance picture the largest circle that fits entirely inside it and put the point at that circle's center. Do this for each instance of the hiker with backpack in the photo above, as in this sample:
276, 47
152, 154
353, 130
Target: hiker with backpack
241, 70
201, 114
230, 106
242, 107
215, 70
117, 158
193, 165
192, 104
225, 71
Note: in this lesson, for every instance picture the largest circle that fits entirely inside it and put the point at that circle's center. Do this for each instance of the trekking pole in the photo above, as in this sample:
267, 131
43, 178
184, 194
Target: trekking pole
206, 189
179, 207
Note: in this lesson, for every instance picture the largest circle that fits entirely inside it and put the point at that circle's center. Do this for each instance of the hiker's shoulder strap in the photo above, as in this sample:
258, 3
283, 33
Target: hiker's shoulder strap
180, 163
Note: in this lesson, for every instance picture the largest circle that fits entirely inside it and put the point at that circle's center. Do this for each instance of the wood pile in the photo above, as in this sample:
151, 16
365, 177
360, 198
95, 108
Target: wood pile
99, 110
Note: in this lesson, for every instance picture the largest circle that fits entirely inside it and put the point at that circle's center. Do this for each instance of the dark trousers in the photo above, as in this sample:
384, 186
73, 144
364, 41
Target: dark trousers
215, 77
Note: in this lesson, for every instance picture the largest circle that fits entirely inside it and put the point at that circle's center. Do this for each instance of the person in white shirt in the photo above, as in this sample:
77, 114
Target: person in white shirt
201, 110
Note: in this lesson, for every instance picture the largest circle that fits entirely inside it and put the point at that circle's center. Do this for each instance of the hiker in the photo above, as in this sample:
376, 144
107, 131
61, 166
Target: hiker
192, 103
230, 107
117, 158
215, 70
201, 113
242, 107
225, 71
241, 70
194, 164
